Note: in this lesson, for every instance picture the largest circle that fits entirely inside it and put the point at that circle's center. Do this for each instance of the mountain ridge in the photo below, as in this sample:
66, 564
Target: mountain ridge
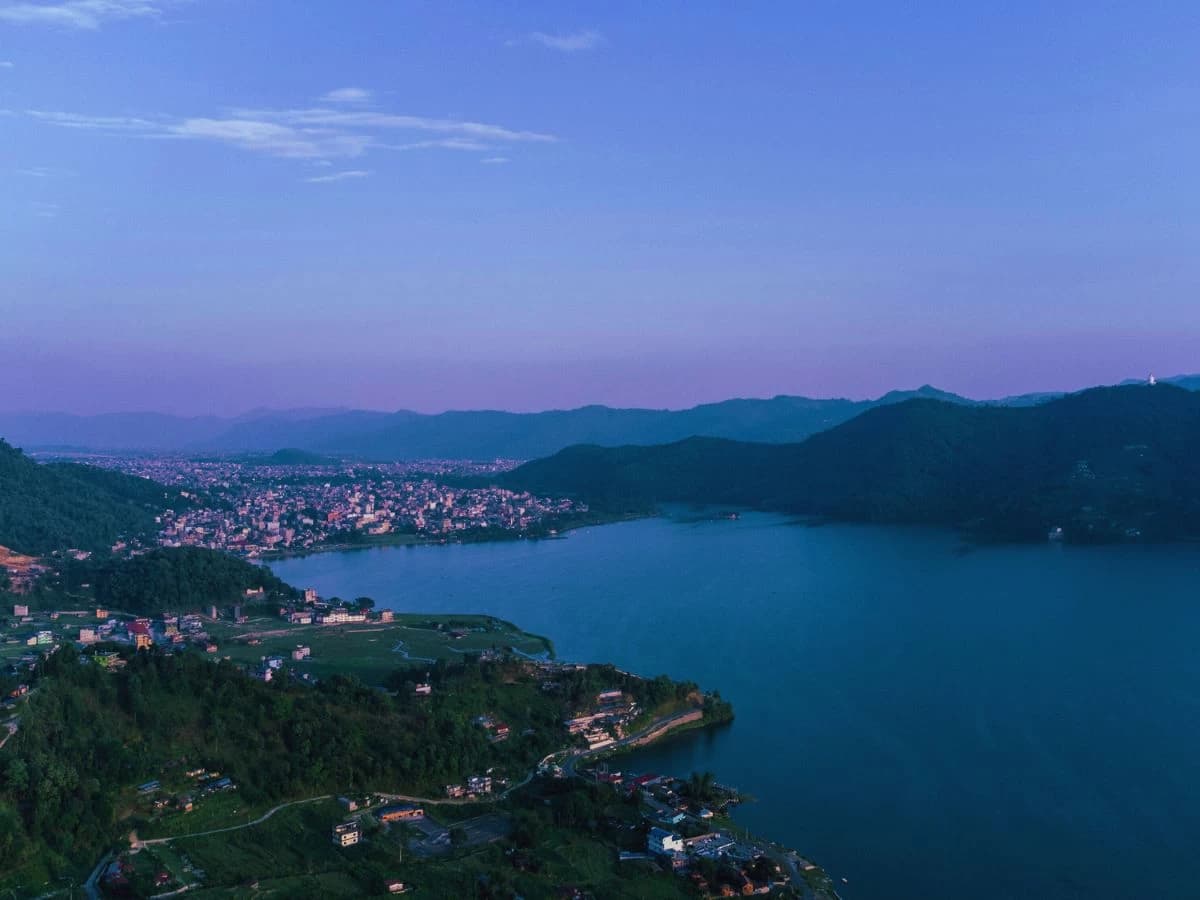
1102, 464
470, 434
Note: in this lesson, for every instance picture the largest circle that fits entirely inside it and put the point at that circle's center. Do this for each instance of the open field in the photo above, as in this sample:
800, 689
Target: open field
371, 651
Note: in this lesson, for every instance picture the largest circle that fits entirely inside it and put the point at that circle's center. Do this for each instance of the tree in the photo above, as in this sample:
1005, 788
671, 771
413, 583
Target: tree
700, 787
12, 835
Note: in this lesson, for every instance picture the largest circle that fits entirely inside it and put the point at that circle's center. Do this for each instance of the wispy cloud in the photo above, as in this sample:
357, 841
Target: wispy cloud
45, 172
89, 14
571, 42
6, 63
338, 176
442, 144
494, 160
346, 95
93, 123
371, 120
271, 138
319, 133
45, 210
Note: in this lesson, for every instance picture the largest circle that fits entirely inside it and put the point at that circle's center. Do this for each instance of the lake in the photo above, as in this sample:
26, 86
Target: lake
921, 718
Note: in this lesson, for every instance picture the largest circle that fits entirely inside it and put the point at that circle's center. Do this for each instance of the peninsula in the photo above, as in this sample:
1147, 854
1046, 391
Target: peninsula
182, 720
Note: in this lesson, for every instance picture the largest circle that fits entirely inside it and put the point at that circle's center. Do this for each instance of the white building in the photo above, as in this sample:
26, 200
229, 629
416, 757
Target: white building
663, 842
347, 834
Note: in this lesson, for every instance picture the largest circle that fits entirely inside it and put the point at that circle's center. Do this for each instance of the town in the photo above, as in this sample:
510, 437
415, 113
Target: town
261, 508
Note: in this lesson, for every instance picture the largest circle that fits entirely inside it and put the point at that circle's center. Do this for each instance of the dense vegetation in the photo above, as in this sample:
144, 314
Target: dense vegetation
1103, 464
86, 735
176, 579
50, 507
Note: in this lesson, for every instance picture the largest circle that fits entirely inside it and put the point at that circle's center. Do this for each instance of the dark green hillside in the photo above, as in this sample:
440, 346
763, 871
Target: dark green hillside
86, 735
1103, 464
49, 507
177, 579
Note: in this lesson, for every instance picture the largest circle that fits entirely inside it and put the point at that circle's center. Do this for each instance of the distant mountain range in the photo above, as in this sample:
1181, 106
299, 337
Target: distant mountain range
1103, 464
485, 434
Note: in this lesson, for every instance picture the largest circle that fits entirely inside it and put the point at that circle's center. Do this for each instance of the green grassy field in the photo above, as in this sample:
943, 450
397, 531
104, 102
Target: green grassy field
371, 651
216, 811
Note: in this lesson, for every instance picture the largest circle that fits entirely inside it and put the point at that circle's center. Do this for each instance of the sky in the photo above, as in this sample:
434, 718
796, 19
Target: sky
213, 205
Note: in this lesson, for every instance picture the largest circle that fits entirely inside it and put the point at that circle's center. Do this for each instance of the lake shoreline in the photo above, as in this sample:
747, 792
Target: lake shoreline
478, 537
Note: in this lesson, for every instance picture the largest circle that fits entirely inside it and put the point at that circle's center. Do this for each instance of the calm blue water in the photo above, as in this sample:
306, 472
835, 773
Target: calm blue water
924, 721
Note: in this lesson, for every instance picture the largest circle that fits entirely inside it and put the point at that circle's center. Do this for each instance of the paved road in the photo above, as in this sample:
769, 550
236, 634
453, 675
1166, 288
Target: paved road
458, 801
89, 886
664, 725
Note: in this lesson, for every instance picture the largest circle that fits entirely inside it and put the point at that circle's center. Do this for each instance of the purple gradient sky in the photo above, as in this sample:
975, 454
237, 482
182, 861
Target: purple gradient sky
550, 206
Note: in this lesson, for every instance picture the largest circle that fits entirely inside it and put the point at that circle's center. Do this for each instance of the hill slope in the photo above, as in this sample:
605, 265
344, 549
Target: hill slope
1099, 464
51, 507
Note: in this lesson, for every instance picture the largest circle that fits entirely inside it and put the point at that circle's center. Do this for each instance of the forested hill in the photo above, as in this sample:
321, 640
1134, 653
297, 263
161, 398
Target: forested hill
178, 579
51, 507
1102, 464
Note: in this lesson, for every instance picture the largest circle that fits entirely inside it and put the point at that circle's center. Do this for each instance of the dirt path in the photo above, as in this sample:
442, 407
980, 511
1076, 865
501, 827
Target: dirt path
651, 732
139, 844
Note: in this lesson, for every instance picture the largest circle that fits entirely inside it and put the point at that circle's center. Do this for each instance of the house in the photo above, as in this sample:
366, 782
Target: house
479, 784
423, 689
395, 887
347, 834
386, 615
300, 618
663, 842
142, 641
20, 610
301, 653
454, 791
348, 804
88, 636
399, 813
